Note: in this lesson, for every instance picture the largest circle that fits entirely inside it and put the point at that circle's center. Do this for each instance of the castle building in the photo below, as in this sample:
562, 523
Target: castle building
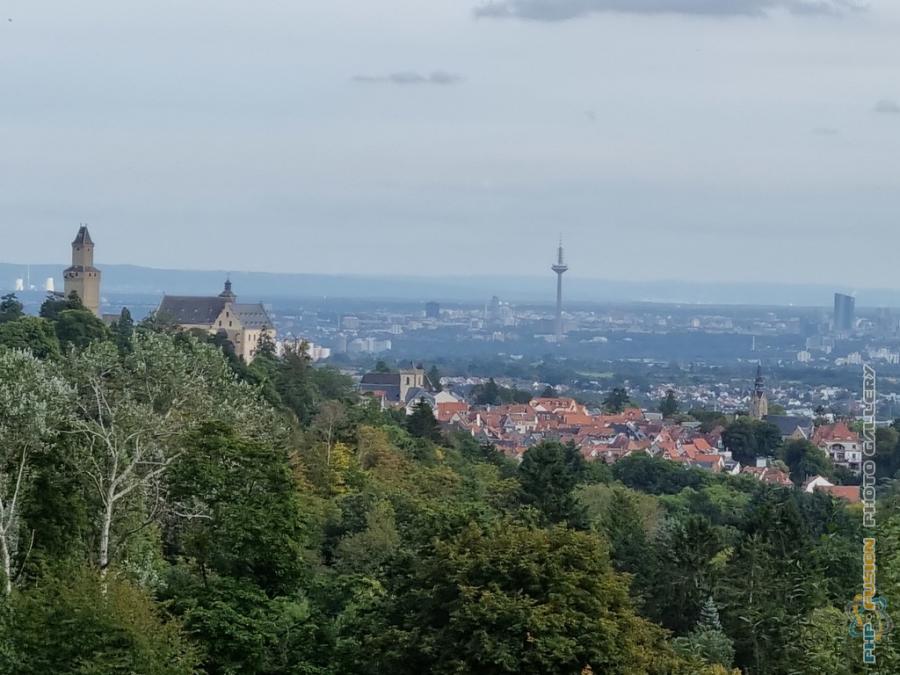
243, 324
82, 278
759, 402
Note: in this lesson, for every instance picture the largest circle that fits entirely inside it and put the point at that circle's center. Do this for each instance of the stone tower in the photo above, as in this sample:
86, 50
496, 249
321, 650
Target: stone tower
759, 402
82, 277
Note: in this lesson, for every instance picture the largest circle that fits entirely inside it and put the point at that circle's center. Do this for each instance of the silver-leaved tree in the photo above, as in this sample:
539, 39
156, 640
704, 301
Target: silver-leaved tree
132, 410
34, 405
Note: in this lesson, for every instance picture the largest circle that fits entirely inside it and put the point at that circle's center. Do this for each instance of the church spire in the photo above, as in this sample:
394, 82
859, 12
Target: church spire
759, 402
228, 294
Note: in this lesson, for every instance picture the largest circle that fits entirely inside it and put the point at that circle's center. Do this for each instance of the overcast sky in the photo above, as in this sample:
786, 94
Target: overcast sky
690, 139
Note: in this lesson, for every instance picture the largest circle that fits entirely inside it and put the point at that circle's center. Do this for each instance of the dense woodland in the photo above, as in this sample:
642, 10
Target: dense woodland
166, 509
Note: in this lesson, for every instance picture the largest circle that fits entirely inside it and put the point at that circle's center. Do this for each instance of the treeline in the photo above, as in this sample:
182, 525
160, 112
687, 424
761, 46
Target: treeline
167, 509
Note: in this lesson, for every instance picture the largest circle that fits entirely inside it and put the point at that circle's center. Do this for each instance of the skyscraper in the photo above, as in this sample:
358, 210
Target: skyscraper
559, 268
844, 310
82, 278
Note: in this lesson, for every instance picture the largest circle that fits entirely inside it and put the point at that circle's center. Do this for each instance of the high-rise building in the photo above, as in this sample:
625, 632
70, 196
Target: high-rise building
559, 268
432, 310
82, 278
844, 310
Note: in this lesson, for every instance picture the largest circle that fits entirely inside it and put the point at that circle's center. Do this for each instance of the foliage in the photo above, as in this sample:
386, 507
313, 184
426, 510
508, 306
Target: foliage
79, 328
748, 439
10, 308
422, 423
548, 475
31, 334
54, 305
616, 400
74, 623
263, 518
805, 460
669, 405
501, 599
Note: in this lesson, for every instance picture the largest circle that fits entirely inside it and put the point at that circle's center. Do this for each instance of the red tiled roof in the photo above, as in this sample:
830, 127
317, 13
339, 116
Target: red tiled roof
849, 493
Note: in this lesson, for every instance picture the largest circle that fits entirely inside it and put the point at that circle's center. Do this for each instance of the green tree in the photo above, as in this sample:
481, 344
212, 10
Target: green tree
616, 400
548, 475
422, 423
31, 334
708, 641
748, 439
640, 471
241, 516
131, 410
123, 329
78, 328
488, 393
434, 377
33, 405
669, 405
501, 599
805, 460
74, 623
686, 549
54, 305
549, 392
10, 308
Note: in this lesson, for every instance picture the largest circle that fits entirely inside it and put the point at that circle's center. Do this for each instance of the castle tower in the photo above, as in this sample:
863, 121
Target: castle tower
82, 277
560, 268
759, 402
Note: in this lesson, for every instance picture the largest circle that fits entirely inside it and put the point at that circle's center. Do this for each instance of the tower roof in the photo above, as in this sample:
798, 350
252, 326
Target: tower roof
83, 238
228, 294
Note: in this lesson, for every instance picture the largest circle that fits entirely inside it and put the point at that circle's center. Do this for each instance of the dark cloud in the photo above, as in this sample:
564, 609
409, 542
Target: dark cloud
439, 77
887, 106
561, 10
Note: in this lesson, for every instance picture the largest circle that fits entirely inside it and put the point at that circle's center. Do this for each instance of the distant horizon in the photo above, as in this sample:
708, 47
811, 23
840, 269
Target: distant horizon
534, 288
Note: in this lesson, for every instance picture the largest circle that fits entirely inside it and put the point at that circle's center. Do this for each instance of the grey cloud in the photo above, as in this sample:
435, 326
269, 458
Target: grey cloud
887, 107
561, 10
438, 77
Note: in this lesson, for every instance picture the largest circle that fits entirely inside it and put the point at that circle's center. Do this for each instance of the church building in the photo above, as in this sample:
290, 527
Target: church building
243, 324
82, 278
759, 402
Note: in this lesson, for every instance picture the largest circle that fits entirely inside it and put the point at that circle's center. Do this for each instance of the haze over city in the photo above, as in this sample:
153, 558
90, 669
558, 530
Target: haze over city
752, 140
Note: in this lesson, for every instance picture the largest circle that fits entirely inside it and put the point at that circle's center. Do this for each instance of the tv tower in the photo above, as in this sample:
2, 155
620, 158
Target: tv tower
560, 268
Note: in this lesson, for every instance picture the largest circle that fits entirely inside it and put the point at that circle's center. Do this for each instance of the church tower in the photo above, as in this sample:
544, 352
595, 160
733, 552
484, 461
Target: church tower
82, 277
759, 402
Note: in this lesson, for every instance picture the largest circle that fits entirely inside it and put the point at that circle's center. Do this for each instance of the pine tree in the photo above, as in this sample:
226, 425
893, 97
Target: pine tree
669, 405
124, 330
434, 377
422, 423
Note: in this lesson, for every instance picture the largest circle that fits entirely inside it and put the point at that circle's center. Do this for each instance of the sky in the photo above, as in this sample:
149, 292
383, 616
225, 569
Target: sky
699, 140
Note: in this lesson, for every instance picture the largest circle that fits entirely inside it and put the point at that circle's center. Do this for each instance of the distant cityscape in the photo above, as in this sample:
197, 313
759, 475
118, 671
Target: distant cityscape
705, 353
